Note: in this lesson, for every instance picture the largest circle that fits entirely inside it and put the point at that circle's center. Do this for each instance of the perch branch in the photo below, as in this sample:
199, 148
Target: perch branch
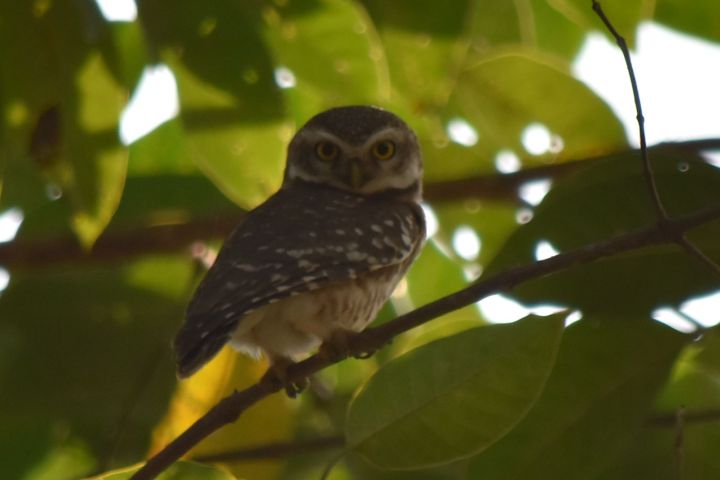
648, 173
230, 408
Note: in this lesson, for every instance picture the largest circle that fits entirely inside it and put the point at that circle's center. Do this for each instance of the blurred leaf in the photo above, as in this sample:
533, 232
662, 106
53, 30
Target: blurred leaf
68, 461
693, 387
415, 412
533, 24
695, 384
269, 421
94, 175
602, 201
85, 357
423, 50
177, 471
607, 374
700, 18
164, 150
492, 221
654, 454
361, 470
231, 108
496, 99
330, 51
147, 200
64, 106
624, 15
130, 57
434, 275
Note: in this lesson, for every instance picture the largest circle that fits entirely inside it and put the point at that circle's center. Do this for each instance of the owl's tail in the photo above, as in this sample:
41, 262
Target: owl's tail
194, 348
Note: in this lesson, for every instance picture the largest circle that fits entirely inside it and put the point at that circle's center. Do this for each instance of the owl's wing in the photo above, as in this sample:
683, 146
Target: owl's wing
293, 243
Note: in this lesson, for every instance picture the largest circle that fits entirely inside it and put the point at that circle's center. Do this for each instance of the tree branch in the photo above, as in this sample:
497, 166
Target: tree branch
230, 408
648, 174
117, 246
669, 419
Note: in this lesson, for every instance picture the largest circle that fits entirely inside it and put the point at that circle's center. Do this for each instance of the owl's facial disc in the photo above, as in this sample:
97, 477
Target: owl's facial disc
387, 160
363, 150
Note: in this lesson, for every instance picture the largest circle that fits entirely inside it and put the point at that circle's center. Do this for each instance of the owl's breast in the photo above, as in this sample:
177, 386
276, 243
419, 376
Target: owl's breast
296, 325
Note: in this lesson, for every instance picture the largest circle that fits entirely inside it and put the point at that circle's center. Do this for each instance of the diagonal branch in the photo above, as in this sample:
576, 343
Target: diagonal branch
231, 407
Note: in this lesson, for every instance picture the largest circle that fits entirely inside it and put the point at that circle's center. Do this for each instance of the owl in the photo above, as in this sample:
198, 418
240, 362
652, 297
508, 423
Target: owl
318, 259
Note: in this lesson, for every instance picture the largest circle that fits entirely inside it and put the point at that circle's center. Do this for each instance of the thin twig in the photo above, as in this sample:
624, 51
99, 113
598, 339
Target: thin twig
693, 250
669, 419
647, 166
230, 408
648, 173
680, 441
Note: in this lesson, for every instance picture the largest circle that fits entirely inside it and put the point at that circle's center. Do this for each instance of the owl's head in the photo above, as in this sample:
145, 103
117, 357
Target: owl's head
359, 149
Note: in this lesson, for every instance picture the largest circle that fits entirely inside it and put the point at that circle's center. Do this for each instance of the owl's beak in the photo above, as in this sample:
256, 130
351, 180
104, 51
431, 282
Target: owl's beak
356, 175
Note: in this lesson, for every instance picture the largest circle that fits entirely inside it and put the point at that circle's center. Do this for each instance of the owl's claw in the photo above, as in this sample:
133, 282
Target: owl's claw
278, 377
343, 344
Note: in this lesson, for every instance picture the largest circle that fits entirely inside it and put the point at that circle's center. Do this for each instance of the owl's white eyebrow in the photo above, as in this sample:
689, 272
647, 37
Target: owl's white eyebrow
316, 135
388, 132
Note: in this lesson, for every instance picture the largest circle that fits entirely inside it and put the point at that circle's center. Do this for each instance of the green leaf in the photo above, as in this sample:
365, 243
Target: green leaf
97, 340
700, 18
177, 471
231, 108
493, 222
694, 388
453, 397
607, 374
602, 201
331, 50
533, 24
424, 50
624, 15
63, 106
433, 275
695, 383
495, 97
653, 454
95, 163
164, 150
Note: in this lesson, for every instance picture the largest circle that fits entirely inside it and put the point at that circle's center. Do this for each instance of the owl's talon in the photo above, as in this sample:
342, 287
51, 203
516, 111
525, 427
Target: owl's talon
277, 376
337, 347
364, 355
366, 345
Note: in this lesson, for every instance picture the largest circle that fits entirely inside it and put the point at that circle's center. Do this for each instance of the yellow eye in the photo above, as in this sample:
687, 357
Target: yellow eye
383, 150
327, 151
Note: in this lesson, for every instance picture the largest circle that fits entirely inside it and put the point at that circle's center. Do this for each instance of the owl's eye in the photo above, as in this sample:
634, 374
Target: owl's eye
383, 150
327, 151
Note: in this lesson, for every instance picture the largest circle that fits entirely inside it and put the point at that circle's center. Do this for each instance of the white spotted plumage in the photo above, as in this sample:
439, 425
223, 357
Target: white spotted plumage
319, 255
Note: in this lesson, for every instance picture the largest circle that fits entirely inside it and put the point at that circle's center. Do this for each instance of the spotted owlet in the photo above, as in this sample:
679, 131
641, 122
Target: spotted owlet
323, 254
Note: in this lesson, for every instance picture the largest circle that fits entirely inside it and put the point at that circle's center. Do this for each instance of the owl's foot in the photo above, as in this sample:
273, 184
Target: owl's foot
277, 375
343, 344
